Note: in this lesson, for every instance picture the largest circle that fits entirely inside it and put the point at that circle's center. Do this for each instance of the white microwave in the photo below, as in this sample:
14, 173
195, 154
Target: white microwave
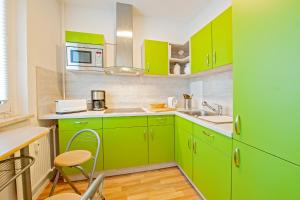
87, 57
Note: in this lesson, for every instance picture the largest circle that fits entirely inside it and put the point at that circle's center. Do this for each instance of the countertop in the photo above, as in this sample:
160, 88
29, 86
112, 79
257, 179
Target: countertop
225, 129
14, 140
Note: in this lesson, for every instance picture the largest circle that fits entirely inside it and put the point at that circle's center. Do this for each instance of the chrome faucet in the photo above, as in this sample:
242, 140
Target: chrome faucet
219, 110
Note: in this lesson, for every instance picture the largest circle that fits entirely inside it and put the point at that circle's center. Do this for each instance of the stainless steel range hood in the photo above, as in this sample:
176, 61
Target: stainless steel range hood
124, 40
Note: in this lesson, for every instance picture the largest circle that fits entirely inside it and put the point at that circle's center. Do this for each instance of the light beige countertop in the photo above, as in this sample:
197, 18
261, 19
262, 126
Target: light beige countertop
14, 140
225, 129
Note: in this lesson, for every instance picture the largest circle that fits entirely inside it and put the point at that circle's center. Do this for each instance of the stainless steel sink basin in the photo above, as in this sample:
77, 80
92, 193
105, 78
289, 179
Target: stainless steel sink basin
198, 113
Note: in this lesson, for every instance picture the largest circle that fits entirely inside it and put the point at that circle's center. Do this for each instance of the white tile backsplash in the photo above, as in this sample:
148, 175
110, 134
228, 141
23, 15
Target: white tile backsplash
213, 88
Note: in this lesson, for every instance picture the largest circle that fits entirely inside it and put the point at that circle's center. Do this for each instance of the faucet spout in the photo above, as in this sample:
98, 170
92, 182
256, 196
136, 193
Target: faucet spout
219, 109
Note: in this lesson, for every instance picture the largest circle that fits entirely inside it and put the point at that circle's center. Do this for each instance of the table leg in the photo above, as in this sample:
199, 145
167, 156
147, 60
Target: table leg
26, 181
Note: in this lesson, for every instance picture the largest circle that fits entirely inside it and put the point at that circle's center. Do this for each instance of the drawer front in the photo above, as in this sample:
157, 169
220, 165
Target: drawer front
182, 123
216, 140
79, 124
123, 122
161, 120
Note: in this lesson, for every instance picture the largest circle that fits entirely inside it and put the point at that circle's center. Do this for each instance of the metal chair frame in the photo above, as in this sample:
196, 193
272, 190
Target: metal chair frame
85, 174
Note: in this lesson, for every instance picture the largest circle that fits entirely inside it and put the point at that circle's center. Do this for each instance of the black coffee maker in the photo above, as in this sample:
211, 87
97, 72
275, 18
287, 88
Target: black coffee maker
98, 100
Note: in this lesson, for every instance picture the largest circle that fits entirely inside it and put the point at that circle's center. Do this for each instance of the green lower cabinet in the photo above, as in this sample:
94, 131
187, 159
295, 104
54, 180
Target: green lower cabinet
85, 141
161, 144
262, 176
183, 150
211, 170
125, 147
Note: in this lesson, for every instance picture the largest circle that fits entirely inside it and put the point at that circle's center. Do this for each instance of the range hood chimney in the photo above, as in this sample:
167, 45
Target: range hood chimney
124, 40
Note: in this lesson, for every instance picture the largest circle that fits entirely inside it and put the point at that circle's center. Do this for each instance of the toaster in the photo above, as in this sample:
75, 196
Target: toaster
70, 106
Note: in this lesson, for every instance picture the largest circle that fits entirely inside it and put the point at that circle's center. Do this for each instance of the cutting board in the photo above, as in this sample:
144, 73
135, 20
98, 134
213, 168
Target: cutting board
217, 119
162, 109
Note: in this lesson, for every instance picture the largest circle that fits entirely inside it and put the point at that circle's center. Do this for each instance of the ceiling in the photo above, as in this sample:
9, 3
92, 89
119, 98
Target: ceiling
181, 10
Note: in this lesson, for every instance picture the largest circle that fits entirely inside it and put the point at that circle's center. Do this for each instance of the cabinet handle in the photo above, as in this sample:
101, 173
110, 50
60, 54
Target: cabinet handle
145, 135
82, 122
152, 134
148, 67
236, 157
207, 59
195, 147
237, 125
207, 134
215, 57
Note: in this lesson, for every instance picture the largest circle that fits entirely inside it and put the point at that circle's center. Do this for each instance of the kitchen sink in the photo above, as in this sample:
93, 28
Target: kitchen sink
198, 113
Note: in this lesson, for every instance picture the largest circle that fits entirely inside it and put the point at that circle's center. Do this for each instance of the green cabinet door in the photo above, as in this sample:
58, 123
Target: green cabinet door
201, 50
183, 148
125, 147
156, 57
211, 166
85, 141
222, 39
266, 75
161, 144
262, 176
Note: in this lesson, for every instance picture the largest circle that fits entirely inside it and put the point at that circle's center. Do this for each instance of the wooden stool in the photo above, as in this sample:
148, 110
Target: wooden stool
74, 159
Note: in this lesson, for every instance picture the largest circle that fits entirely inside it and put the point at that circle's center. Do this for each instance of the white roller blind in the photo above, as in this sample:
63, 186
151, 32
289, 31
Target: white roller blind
3, 52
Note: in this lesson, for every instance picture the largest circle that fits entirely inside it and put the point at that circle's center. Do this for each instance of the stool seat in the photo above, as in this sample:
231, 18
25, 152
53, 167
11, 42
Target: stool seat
72, 158
65, 196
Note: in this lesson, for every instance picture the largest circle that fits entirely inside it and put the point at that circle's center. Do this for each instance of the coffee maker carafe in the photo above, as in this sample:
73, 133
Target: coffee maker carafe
98, 100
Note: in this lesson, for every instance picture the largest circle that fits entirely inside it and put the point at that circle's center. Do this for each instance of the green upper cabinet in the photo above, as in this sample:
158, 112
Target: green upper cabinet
262, 176
266, 75
222, 39
86, 38
156, 57
201, 50
212, 163
161, 144
125, 147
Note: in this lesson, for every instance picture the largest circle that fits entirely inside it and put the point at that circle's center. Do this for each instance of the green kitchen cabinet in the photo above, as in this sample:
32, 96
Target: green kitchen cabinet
212, 163
156, 57
79, 124
85, 141
266, 76
161, 144
183, 145
201, 50
125, 147
261, 176
222, 39
85, 38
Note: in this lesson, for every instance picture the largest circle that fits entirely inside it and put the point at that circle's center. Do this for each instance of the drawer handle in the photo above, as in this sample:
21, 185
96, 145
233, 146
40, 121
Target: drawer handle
83, 122
236, 157
207, 134
195, 147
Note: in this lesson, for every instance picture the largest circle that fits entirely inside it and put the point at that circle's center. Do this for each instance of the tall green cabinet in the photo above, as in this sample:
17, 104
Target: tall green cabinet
266, 99
156, 57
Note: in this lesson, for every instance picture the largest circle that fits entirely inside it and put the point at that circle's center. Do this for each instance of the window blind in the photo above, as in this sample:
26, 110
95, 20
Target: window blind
3, 52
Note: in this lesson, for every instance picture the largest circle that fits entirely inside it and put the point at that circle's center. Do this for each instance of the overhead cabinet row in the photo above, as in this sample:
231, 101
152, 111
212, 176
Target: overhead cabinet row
210, 47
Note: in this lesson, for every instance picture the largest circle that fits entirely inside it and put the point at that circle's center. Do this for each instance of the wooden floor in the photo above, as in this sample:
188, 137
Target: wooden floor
161, 184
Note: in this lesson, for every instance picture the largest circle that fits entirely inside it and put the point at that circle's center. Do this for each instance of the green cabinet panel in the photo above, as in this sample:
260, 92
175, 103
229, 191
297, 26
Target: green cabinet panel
211, 167
266, 75
86, 38
85, 141
222, 39
183, 149
262, 176
184, 124
125, 147
122, 122
201, 50
156, 57
161, 120
79, 124
161, 144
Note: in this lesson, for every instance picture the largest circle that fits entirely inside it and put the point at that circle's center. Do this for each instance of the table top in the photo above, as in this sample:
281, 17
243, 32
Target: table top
14, 140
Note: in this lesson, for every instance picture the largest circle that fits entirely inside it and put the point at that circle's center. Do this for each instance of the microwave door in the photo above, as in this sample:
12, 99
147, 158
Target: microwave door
80, 57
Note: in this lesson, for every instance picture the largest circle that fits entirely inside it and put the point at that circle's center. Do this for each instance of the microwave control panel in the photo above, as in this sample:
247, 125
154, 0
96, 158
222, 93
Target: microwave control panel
99, 58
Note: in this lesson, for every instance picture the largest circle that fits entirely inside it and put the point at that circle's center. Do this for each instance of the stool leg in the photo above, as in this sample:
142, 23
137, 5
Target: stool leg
69, 181
54, 183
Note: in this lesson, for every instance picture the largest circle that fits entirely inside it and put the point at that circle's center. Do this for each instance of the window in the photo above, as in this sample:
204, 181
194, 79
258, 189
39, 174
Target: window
3, 53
